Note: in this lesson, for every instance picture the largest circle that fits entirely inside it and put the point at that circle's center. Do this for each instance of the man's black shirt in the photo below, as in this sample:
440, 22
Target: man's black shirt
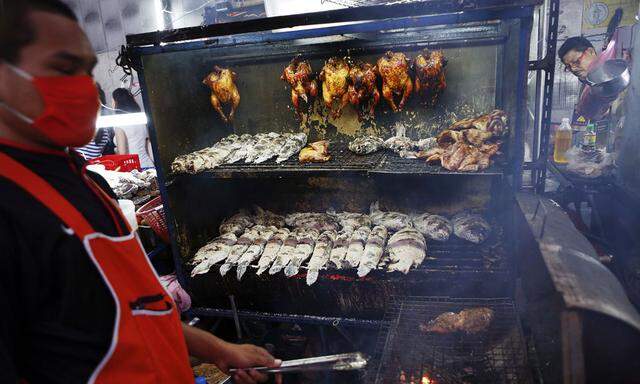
57, 313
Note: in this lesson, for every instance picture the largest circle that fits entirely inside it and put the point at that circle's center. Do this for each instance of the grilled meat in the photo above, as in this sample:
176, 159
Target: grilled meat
237, 223
304, 249
373, 250
495, 122
363, 88
433, 227
393, 221
321, 254
471, 227
334, 77
407, 248
365, 145
213, 252
221, 81
298, 75
271, 249
254, 251
356, 246
315, 153
470, 321
429, 67
240, 247
292, 146
394, 70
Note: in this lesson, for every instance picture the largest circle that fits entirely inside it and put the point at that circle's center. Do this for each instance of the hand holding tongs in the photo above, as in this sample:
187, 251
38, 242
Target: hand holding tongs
342, 362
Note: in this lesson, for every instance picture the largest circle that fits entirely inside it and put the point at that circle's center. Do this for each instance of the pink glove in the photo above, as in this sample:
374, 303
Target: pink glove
179, 295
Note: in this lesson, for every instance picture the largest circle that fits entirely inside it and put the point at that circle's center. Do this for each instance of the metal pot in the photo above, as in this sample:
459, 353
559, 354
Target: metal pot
609, 79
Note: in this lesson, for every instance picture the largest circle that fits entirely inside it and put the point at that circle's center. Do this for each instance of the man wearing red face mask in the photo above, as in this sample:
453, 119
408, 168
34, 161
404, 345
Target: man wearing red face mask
80, 302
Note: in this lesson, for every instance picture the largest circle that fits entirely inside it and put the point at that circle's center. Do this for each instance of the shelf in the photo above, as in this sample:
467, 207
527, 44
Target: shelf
342, 162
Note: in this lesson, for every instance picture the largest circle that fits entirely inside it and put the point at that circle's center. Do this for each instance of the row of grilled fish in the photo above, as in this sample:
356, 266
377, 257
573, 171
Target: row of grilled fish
402, 145
335, 240
254, 149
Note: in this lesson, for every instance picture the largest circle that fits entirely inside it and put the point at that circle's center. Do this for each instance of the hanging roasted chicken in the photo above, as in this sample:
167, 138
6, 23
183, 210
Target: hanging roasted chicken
430, 81
363, 88
299, 76
394, 70
334, 77
223, 91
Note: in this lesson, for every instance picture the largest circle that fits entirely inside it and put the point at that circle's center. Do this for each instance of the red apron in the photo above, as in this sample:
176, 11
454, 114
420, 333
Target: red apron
147, 345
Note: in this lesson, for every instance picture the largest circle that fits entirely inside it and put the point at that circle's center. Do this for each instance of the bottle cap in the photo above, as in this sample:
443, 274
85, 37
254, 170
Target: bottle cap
201, 380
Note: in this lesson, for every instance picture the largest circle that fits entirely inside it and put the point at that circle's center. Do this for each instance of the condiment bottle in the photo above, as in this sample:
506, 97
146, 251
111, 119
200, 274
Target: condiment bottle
562, 142
589, 140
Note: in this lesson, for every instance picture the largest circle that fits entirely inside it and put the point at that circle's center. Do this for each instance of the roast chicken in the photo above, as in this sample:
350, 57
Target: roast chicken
223, 91
363, 88
335, 77
430, 81
317, 152
469, 144
298, 74
394, 70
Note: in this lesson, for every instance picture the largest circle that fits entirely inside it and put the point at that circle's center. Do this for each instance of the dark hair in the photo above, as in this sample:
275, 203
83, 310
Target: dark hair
15, 31
124, 101
578, 43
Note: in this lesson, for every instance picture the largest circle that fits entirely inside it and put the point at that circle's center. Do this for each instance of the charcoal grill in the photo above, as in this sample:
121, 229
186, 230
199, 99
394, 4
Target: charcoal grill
497, 355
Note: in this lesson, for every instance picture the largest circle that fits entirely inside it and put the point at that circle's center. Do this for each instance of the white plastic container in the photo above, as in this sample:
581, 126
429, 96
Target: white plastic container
129, 211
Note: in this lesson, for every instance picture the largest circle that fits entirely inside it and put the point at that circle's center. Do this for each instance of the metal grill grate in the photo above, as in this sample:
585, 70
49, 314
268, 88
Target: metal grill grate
343, 160
497, 355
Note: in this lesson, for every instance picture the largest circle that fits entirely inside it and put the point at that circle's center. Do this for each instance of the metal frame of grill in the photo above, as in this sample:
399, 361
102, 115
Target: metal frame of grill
497, 355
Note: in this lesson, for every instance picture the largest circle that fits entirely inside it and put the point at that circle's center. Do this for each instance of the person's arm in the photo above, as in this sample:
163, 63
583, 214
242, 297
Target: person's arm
224, 355
122, 145
9, 295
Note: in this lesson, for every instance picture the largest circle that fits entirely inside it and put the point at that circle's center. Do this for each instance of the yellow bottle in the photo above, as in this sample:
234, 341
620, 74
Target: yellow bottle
562, 142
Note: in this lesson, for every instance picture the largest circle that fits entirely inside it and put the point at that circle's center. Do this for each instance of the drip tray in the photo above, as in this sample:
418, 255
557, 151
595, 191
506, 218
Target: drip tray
405, 354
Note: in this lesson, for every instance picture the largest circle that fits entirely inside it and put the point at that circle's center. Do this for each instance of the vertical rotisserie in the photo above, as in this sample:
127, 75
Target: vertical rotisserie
221, 81
394, 70
335, 76
298, 75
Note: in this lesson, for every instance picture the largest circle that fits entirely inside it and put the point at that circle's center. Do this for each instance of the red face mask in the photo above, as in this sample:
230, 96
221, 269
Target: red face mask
70, 108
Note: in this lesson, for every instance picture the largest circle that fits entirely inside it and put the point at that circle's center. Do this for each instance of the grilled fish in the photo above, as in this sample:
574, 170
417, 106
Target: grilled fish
470, 321
365, 145
264, 142
304, 249
353, 220
312, 220
243, 145
240, 247
292, 146
272, 149
320, 255
285, 253
393, 221
340, 247
237, 223
407, 248
433, 227
213, 252
356, 246
373, 250
471, 227
271, 249
267, 218
254, 251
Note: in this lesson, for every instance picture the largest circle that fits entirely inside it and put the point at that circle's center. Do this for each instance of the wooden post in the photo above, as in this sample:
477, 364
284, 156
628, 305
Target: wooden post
572, 349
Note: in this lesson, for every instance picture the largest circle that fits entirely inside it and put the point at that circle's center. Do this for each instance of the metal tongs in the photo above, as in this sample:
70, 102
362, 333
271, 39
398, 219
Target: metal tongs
342, 362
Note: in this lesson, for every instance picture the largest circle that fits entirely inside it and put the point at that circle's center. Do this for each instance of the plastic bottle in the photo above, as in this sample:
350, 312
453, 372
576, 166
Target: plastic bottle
589, 140
562, 142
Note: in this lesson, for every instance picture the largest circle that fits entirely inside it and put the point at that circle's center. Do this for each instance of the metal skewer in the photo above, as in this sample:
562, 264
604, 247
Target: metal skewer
341, 362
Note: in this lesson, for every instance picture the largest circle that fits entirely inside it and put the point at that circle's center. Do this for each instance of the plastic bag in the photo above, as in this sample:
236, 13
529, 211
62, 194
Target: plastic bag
590, 163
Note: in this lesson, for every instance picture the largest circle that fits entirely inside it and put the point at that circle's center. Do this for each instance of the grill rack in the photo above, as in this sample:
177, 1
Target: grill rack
343, 160
497, 355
